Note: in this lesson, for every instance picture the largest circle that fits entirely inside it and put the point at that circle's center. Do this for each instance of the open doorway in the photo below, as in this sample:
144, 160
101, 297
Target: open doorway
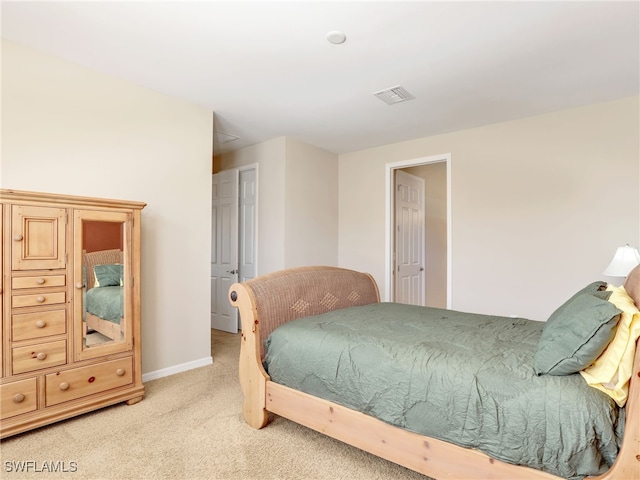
432, 260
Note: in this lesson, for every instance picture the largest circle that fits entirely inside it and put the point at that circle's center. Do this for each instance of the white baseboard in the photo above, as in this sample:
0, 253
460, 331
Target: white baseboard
183, 367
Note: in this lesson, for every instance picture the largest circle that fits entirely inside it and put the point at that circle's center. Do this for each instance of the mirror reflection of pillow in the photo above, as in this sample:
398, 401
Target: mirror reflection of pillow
108, 275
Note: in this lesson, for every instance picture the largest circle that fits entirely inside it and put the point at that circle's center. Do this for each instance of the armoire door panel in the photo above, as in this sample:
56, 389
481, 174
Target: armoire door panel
38, 237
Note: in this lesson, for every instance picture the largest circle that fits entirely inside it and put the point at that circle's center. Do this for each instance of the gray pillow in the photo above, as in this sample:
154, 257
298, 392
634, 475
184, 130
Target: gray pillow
576, 333
108, 275
599, 289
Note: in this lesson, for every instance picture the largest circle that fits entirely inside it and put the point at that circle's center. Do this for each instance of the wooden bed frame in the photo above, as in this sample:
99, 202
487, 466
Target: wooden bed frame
270, 300
115, 331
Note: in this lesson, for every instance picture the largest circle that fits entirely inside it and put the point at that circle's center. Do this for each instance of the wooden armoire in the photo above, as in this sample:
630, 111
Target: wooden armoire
70, 302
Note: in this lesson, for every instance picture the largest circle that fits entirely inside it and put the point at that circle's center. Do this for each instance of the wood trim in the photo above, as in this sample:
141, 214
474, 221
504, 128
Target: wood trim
423, 454
252, 375
627, 465
65, 200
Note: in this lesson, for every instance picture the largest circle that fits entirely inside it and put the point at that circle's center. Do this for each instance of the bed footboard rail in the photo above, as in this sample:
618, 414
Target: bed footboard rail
270, 300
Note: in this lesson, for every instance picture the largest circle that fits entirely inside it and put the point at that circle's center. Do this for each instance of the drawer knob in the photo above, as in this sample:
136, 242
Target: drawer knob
64, 386
40, 299
41, 356
18, 237
18, 397
40, 281
79, 285
41, 324
120, 372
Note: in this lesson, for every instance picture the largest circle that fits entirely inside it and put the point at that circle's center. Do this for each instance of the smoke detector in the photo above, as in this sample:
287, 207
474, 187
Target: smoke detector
336, 37
394, 95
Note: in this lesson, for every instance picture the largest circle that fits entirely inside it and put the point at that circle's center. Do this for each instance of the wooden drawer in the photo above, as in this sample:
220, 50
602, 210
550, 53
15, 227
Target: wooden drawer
38, 281
18, 397
25, 326
36, 357
53, 298
83, 381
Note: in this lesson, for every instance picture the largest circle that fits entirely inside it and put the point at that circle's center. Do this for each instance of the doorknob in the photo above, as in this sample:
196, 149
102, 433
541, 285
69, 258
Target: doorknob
232, 272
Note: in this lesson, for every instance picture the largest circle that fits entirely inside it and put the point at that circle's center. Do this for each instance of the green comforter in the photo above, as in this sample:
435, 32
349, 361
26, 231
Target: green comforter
463, 378
106, 303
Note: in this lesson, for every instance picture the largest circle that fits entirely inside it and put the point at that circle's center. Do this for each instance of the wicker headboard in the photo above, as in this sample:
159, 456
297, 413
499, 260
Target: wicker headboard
101, 257
300, 292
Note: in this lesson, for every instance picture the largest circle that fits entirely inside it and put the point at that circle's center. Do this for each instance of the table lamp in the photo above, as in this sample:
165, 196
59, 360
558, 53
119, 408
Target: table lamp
625, 260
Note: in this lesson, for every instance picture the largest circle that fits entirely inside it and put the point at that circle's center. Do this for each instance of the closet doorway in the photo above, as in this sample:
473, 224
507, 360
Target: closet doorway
418, 231
234, 221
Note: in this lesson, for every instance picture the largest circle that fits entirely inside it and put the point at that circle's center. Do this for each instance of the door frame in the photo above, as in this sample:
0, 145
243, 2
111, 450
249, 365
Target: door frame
254, 167
390, 220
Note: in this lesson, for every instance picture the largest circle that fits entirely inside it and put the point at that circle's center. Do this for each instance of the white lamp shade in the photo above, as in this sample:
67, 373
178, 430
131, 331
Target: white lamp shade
625, 260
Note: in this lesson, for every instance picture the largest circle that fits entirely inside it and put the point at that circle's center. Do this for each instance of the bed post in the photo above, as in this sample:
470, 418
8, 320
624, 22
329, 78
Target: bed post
253, 378
627, 465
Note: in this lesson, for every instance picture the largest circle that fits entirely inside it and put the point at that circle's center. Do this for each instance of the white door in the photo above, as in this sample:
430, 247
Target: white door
224, 249
409, 238
248, 224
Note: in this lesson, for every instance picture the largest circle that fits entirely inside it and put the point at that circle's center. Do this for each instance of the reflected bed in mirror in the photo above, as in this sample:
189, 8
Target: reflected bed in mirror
103, 291
103, 297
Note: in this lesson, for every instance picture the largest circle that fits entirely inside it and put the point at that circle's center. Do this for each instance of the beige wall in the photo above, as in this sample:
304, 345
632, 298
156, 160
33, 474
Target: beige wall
68, 129
270, 158
297, 202
539, 205
311, 207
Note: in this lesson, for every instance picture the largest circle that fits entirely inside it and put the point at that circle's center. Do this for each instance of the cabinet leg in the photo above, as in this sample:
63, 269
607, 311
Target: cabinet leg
135, 400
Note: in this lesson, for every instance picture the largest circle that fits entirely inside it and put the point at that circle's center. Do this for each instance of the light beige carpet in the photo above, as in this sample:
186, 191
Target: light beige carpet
189, 426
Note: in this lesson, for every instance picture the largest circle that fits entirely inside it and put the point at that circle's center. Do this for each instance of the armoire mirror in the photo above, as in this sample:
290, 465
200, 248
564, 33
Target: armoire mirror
102, 280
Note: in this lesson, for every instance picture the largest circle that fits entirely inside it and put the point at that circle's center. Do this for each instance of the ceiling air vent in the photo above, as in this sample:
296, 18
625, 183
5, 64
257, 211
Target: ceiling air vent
226, 137
394, 95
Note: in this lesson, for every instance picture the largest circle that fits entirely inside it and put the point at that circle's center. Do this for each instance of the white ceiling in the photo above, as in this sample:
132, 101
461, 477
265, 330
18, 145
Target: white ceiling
266, 69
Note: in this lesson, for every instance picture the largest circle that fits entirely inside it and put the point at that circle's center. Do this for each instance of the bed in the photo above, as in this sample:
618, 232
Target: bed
313, 309
103, 294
